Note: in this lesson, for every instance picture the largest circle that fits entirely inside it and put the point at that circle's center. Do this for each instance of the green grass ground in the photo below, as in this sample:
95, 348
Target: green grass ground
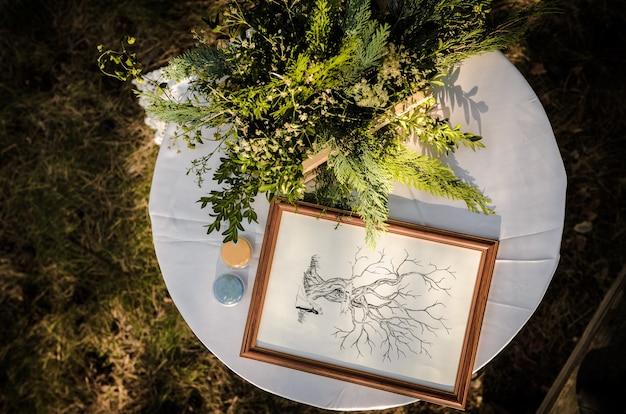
87, 324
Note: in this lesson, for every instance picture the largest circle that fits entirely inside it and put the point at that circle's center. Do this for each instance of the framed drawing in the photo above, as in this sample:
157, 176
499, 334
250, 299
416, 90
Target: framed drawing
404, 316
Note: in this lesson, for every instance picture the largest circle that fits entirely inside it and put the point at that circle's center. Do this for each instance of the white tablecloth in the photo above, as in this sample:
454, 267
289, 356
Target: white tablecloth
520, 170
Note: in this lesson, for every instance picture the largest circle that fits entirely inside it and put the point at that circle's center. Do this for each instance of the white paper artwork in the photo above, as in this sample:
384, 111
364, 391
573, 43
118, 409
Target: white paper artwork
401, 308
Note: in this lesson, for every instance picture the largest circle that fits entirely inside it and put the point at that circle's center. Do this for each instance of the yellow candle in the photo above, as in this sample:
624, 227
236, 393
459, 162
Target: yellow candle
237, 255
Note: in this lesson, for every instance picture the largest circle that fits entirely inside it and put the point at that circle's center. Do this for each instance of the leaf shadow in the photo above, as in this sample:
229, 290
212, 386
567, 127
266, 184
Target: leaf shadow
452, 96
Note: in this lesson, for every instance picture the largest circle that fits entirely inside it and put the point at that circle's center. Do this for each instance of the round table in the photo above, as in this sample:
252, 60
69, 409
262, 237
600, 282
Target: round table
520, 170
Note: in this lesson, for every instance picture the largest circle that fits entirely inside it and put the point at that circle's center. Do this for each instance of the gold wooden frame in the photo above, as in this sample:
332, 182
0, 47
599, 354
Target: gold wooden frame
485, 251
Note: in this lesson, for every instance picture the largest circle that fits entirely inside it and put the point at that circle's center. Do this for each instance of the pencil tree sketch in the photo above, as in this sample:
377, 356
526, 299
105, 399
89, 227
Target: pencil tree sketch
395, 305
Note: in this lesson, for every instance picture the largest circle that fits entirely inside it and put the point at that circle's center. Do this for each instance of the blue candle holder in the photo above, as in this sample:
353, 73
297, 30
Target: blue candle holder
228, 289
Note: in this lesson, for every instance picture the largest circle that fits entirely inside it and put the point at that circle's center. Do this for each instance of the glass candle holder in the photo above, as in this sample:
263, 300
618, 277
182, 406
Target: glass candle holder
228, 289
237, 255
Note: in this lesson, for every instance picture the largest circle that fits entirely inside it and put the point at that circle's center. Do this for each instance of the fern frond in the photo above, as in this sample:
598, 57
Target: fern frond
357, 18
371, 184
318, 34
371, 35
429, 174
202, 63
373, 45
336, 70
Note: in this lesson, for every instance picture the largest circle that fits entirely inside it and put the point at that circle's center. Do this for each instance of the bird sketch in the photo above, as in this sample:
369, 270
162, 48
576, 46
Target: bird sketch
390, 305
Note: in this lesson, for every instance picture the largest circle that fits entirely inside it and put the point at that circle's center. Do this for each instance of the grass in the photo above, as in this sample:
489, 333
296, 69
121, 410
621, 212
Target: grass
87, 323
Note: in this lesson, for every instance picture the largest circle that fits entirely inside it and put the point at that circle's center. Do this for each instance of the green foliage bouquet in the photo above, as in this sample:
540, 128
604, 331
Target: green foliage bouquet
289, 79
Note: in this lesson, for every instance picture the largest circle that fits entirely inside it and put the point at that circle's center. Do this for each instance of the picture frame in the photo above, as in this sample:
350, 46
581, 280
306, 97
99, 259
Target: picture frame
404, 316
